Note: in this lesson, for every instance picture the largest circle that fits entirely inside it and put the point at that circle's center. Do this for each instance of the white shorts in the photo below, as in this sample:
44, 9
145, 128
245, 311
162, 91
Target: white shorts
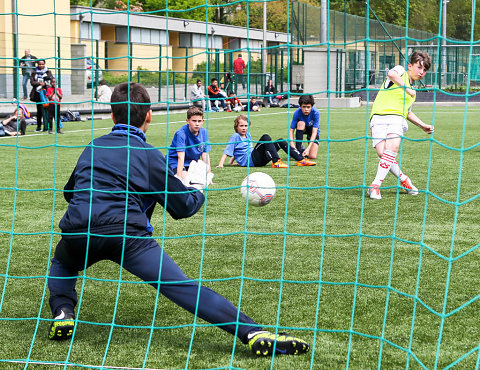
381, 126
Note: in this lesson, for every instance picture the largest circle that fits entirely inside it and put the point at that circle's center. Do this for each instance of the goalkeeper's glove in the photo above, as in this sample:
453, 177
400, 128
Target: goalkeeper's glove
198, 176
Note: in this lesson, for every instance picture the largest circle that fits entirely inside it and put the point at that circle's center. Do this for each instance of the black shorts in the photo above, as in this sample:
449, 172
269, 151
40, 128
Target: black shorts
308, 132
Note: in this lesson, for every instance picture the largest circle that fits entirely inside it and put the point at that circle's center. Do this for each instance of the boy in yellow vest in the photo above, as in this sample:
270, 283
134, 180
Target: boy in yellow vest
388, 120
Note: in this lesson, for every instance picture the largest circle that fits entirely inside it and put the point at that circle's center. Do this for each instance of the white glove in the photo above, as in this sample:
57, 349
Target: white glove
198, 176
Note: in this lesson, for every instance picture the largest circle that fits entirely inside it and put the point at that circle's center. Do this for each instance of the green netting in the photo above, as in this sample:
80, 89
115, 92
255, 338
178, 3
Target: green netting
388, 284
388, 45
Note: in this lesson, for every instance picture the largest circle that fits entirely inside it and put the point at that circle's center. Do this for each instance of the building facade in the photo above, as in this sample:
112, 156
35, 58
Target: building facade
119, 42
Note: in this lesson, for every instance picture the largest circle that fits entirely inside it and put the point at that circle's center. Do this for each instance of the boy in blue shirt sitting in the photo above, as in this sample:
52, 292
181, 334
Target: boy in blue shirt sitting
240, 148
306, 121
190, 143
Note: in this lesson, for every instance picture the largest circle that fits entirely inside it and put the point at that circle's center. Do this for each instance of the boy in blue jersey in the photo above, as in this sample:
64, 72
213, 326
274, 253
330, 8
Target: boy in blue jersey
240, 148
190, 143
111, 193
306, 121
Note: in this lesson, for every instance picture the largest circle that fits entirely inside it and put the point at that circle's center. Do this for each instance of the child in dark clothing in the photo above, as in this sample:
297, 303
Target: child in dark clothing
111, 193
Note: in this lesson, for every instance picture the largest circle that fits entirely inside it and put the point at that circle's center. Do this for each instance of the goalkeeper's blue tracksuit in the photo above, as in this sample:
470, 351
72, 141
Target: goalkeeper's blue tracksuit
99, 204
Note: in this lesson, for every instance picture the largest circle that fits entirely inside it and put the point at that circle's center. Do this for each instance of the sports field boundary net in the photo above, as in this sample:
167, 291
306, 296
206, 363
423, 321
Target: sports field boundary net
391, 283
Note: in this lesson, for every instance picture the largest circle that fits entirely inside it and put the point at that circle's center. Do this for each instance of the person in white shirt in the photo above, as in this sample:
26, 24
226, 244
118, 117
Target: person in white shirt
104, 93
197, 96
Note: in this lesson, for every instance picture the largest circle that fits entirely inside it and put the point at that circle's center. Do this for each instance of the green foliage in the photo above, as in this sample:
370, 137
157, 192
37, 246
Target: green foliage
95, 3
188, 9
423, 15
113, 79
277, 15
145, 77
462, 88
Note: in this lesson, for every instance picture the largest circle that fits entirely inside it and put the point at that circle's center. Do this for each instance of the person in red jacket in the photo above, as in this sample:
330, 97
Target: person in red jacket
215, 94
238, 67
54, 95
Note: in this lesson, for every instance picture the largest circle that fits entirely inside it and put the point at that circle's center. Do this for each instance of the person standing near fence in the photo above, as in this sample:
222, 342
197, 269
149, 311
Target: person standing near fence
238, 67
28, 65
40, 81
54, 95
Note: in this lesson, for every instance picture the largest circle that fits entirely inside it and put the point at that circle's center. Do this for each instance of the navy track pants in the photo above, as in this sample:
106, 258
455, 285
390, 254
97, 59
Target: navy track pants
142, 258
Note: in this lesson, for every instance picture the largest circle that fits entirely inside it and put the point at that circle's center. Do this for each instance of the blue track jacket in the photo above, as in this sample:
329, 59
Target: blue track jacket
122, 177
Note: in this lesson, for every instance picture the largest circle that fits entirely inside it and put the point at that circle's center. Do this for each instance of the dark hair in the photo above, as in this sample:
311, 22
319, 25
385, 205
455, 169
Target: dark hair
306, 99
239, 55
199, 81
237, 120
41, 60
101, 82
422, 57
139, 103
213, 79
194, 111
230, 93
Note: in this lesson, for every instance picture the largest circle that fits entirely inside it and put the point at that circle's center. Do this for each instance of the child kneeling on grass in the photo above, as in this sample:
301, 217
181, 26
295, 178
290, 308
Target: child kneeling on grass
190, 143
111, 193
240, 148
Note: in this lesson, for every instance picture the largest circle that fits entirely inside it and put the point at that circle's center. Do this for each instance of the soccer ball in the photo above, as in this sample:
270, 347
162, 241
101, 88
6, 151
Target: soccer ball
258, 188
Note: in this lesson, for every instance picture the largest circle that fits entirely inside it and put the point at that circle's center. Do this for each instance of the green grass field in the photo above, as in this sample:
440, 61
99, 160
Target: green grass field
370, 284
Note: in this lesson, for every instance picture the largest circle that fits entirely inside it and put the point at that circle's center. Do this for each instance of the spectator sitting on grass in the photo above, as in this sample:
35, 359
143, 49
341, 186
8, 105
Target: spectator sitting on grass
233, 103
252, 105
15, 124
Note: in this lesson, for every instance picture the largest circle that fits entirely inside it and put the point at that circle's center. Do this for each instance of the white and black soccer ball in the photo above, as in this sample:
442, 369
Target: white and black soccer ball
258, 188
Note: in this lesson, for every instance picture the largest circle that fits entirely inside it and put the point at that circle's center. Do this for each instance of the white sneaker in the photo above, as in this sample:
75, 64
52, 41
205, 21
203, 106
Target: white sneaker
374, 192
408, 186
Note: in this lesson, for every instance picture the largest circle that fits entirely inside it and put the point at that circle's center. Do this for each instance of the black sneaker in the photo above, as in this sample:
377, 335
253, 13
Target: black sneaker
62, 326
60, 132
262, 343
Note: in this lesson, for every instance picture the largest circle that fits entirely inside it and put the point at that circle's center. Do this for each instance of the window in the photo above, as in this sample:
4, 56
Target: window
234, 44
140, 36
199, 41
145, 37
89, 30
155, 37
121, 34
185, 40
135, 35
215, 42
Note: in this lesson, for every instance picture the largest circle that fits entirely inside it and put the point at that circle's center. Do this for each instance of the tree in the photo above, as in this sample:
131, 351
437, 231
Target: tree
189, 9
277, 15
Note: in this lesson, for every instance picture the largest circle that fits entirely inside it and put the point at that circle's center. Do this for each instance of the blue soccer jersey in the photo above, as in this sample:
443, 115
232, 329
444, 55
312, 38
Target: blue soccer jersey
240, 148
311, 121
192, 145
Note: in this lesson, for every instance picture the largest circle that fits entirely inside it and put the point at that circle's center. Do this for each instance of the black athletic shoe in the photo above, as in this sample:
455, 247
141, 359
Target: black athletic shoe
62, 327
262, 343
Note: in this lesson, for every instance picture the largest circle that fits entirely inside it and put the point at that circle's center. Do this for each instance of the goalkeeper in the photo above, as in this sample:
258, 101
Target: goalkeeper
111, 200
